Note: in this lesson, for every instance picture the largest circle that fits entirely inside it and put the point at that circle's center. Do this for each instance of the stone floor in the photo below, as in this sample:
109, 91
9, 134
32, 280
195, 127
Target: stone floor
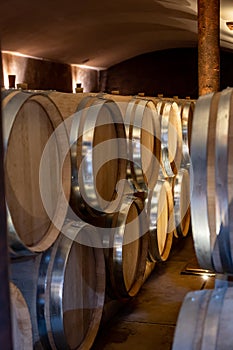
148, 321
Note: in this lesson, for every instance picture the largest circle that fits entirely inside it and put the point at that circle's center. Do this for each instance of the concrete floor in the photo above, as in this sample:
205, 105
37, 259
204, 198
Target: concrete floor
148, 321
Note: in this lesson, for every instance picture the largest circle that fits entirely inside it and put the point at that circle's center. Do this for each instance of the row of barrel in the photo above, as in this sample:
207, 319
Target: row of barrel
97, 187
205, 318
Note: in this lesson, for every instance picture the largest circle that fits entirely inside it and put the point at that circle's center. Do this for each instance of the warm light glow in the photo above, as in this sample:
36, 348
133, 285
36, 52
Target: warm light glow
82, 74
13, 65
15, 53
76, 77
205, 277
88, 67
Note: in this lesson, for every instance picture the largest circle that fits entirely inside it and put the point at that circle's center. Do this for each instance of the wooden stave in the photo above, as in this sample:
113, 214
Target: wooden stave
50, 322
121, 100
68, 109
12, 104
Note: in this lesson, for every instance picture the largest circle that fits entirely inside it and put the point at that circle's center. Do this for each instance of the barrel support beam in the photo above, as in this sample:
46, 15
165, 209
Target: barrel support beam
208, 46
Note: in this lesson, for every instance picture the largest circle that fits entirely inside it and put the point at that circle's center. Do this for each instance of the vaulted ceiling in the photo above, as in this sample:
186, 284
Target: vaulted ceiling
102, 33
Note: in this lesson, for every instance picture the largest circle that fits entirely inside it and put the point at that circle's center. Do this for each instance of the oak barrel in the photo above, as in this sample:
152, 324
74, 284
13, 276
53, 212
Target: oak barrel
37, 195
181, 198
205, 321
98, 155
186, 111
125, 239
142, 125
160, 214
98, 151
143, 137
171, 137
211, 146
21, 320
71, 289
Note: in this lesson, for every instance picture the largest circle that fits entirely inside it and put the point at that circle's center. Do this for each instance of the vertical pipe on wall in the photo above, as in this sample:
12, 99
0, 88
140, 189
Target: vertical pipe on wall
5, 317
208, 46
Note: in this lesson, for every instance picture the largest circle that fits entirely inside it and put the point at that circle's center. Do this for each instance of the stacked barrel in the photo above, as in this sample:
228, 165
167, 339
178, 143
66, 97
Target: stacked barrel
205, 317
57, 264
174, 172
97, 186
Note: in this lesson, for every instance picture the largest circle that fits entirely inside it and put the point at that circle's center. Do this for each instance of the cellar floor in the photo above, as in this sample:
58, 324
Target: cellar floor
148, 321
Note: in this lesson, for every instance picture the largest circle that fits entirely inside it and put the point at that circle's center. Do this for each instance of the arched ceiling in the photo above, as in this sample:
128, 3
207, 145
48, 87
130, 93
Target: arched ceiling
102, 33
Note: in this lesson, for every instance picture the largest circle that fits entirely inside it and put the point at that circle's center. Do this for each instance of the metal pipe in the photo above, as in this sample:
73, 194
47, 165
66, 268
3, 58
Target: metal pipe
5, 316
208, 46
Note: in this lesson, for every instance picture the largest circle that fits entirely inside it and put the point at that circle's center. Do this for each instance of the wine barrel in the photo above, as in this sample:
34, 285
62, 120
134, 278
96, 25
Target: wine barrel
171, 137
98, 156
125, 239
37, 196
205, 321
143, 137
21, 321
24, 274
160, 213
211, 144
71, 289
186, 110
8, 92
204, 240
150, 265
98, 152
181, 197
223, 182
